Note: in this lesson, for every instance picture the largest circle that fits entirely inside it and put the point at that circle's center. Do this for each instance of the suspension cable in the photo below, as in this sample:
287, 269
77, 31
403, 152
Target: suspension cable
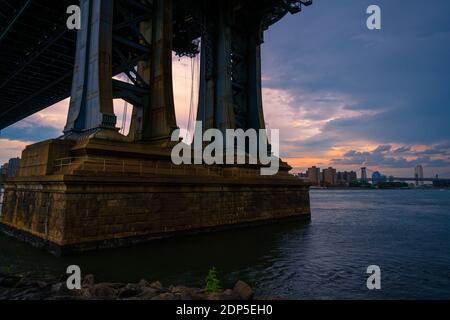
192, 107
124, 115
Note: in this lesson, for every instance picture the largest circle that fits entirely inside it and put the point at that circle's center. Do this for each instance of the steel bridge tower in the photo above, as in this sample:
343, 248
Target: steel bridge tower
114, 39
94, 187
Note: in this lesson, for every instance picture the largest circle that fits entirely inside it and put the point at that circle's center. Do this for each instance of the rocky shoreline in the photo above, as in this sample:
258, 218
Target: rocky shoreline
28, 287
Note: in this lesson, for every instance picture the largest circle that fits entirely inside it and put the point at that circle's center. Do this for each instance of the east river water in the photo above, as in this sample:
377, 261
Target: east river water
405, 232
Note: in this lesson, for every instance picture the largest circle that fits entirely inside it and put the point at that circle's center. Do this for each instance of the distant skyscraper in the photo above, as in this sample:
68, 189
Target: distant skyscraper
13, 167
346, 178
364, 174
329, 177
314, 176
418, 175
377, 178
4, 170
352, 177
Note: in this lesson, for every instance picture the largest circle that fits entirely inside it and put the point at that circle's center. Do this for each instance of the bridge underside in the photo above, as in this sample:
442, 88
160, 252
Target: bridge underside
94, 187
38, 51
36, 57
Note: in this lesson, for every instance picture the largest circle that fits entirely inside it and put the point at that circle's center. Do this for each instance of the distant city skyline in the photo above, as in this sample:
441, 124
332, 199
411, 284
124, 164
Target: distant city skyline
341, 95
317, 174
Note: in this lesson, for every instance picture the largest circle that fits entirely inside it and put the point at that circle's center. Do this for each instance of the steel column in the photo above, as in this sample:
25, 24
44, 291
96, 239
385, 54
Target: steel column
91, 104
230, 75
159, 116
215, 97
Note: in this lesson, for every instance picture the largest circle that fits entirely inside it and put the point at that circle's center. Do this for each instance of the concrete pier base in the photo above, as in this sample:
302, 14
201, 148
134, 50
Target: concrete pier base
108, 194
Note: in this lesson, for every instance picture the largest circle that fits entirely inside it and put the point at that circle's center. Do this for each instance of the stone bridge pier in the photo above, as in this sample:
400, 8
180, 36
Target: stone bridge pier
96, 188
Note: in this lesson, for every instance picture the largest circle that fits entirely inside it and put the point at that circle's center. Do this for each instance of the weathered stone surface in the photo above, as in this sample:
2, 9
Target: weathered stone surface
186, 293
243, 290
143, 283
224, 296
229, 295
156, 285
147, 294
166, 296
88, 280
88, 209
60, 289
130, 290
103, 291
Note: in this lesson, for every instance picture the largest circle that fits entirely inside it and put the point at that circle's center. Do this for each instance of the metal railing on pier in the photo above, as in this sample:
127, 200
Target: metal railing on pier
144, 168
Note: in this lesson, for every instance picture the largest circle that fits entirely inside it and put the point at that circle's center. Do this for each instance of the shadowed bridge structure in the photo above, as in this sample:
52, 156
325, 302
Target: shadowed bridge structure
37, 54
94, 187
38, 51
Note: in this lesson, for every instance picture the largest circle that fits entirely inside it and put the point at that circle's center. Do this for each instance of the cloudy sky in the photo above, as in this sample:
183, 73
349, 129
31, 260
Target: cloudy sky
342, 95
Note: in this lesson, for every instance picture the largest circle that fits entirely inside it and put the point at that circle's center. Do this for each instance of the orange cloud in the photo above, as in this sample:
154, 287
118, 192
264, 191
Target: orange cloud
11, 149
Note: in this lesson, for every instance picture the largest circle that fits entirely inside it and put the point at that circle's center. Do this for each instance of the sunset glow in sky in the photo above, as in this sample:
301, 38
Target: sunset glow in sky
341, 95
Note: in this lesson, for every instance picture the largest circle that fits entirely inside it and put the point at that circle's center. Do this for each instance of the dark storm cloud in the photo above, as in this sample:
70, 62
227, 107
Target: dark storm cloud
399, 75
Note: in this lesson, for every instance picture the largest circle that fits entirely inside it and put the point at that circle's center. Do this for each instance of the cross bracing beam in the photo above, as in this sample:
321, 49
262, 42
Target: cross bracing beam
15, 18
37, 56
33, 55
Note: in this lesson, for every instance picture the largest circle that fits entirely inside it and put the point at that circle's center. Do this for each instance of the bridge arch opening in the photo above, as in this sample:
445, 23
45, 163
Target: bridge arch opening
123, 111
186, 84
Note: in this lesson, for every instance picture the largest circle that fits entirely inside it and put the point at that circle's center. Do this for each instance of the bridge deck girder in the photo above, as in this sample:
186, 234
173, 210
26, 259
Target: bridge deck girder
37, 51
